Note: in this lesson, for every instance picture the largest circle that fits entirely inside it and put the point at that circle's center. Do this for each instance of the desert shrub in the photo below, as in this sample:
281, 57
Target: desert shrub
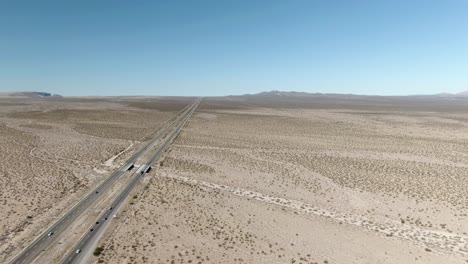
98, 251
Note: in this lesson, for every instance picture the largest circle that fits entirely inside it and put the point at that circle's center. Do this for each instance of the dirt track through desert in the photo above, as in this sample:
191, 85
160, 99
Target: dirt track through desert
432, 239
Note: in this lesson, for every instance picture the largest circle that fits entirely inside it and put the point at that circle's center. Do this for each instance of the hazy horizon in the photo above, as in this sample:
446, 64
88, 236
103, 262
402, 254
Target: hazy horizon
460, 93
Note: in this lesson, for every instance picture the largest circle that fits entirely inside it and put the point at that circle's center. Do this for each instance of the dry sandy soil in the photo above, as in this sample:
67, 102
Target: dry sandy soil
254, 180
54, 150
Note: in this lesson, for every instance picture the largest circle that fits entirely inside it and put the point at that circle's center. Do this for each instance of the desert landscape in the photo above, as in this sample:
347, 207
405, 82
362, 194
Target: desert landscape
267, 178
305, 179
54, 150
234, 132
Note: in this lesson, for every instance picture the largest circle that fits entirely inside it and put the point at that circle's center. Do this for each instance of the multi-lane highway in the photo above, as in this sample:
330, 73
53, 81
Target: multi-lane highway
96, 230
51, 234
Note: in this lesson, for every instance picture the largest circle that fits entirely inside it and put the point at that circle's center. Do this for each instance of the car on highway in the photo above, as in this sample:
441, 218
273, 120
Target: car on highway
97, 223
91, 230
50, 233
78, 251
110, 208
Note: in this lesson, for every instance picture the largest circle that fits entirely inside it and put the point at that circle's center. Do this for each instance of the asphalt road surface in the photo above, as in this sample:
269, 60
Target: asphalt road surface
51, 234
88, 241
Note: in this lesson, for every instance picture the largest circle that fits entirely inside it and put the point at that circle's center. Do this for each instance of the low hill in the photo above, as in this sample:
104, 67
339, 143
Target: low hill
28, 95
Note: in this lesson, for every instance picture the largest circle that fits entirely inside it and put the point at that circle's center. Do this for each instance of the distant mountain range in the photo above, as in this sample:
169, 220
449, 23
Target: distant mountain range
276, 93
296, 94
461, 94
271, 94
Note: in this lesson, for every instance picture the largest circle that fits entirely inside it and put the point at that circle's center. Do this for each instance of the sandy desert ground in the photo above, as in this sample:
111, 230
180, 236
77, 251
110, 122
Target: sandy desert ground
331, 181
252, 179
54, 150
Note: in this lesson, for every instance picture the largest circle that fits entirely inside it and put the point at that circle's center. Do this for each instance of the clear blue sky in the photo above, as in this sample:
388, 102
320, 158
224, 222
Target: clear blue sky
234, 47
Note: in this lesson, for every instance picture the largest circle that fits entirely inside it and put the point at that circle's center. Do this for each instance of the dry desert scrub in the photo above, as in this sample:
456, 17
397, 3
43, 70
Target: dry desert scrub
53, 151
280, 185
41, 172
